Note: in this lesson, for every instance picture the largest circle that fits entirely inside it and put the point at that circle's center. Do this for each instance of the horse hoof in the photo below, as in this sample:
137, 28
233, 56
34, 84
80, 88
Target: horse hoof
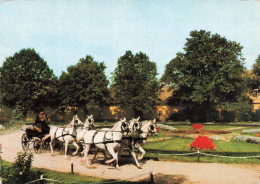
139, 167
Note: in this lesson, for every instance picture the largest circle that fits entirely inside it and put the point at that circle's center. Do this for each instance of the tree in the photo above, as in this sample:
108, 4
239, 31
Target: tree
209, 74
134, 82
85, 84
255, 80
24, 78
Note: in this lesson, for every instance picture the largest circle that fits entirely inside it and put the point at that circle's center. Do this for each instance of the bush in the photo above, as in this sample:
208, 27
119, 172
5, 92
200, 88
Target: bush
246, 138
253, 131
253, 140
166, 127
202, 143
14, 124
255, 116
20, 170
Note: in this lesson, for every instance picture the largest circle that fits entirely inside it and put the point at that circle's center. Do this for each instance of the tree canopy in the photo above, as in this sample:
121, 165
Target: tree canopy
85, 84
209, 71
25, 78
134, 82
256, 74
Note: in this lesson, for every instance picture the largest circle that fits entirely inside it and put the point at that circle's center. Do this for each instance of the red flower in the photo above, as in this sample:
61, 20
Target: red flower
202, 143
197, 126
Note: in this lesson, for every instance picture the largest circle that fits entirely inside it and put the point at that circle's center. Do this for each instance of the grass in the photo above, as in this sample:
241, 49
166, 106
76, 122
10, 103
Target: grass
181, 145
206, 159
164, 142
60, 176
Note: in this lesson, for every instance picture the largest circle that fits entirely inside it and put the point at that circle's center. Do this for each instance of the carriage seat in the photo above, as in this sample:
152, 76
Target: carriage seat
33, 133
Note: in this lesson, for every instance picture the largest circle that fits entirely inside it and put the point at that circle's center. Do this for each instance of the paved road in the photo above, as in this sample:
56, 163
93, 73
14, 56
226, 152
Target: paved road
199, 173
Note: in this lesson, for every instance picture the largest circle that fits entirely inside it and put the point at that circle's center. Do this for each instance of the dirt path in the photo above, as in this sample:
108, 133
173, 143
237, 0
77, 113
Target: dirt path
199, 173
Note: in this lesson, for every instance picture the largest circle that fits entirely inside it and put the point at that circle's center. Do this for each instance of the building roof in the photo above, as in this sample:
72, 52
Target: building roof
165, 93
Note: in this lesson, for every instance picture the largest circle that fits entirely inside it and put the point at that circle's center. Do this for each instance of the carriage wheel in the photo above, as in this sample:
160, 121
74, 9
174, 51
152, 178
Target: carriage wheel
25, 142
46, 144
37, 145
58, 145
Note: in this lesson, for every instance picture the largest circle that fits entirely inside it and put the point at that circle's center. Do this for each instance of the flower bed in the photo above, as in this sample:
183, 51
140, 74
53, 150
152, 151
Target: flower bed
165, 127
202, 143
251, 131
203, 131
197, 126
246, 138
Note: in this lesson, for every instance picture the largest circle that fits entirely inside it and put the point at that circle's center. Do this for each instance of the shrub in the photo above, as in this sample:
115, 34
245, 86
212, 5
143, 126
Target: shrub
246, 138
14, 124
197, 126
20, 171
251, 131
253, 140
166, 127
202, 143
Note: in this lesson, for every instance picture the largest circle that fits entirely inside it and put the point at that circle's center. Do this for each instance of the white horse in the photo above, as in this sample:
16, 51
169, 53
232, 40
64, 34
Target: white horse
128, 140
140, 132
106, 139
148, 127
89, 122
66, 135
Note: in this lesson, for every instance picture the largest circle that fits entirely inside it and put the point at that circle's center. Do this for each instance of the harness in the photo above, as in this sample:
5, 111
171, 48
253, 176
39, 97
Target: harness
138, 139
65, 133
105, 139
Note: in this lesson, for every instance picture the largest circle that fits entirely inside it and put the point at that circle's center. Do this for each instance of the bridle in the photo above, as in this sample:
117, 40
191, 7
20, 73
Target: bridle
125, 127
152, 129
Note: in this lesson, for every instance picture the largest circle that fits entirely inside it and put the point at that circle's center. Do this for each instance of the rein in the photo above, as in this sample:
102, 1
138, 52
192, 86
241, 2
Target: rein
104, 138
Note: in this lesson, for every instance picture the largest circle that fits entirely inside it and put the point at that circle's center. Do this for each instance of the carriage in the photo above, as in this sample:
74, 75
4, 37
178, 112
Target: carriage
34, 138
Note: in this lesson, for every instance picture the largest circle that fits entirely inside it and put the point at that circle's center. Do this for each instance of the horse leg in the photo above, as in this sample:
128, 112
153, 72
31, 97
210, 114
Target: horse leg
85, 158
114, 155
52, 134
104, 153
141, 156
66, 149
120, 150
95, 155
51, 146
132, 151
46, 137
77, 148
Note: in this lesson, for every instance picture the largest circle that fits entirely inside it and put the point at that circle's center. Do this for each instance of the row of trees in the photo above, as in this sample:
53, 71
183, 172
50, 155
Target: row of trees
209, 74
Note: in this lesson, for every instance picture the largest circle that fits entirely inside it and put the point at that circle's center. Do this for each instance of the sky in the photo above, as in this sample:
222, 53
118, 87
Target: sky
63, 31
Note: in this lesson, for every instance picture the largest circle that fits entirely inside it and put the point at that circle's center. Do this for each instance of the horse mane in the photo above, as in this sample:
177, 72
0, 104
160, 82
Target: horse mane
116, 125
145, 123
72, 121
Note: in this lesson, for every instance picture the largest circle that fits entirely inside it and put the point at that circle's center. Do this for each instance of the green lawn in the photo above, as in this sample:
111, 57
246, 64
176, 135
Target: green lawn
183, 144
176, 145
54, 175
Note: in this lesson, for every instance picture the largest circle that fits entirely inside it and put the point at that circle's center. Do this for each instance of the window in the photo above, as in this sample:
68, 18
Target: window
255, 93
160, 113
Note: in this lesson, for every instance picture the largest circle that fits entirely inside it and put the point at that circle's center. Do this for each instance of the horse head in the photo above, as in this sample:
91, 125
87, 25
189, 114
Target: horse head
135, 125
89, 122
152, 128
124, 125
75, 122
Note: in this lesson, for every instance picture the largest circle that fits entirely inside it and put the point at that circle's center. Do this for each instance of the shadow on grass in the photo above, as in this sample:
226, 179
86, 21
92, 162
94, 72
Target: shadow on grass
164, 179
